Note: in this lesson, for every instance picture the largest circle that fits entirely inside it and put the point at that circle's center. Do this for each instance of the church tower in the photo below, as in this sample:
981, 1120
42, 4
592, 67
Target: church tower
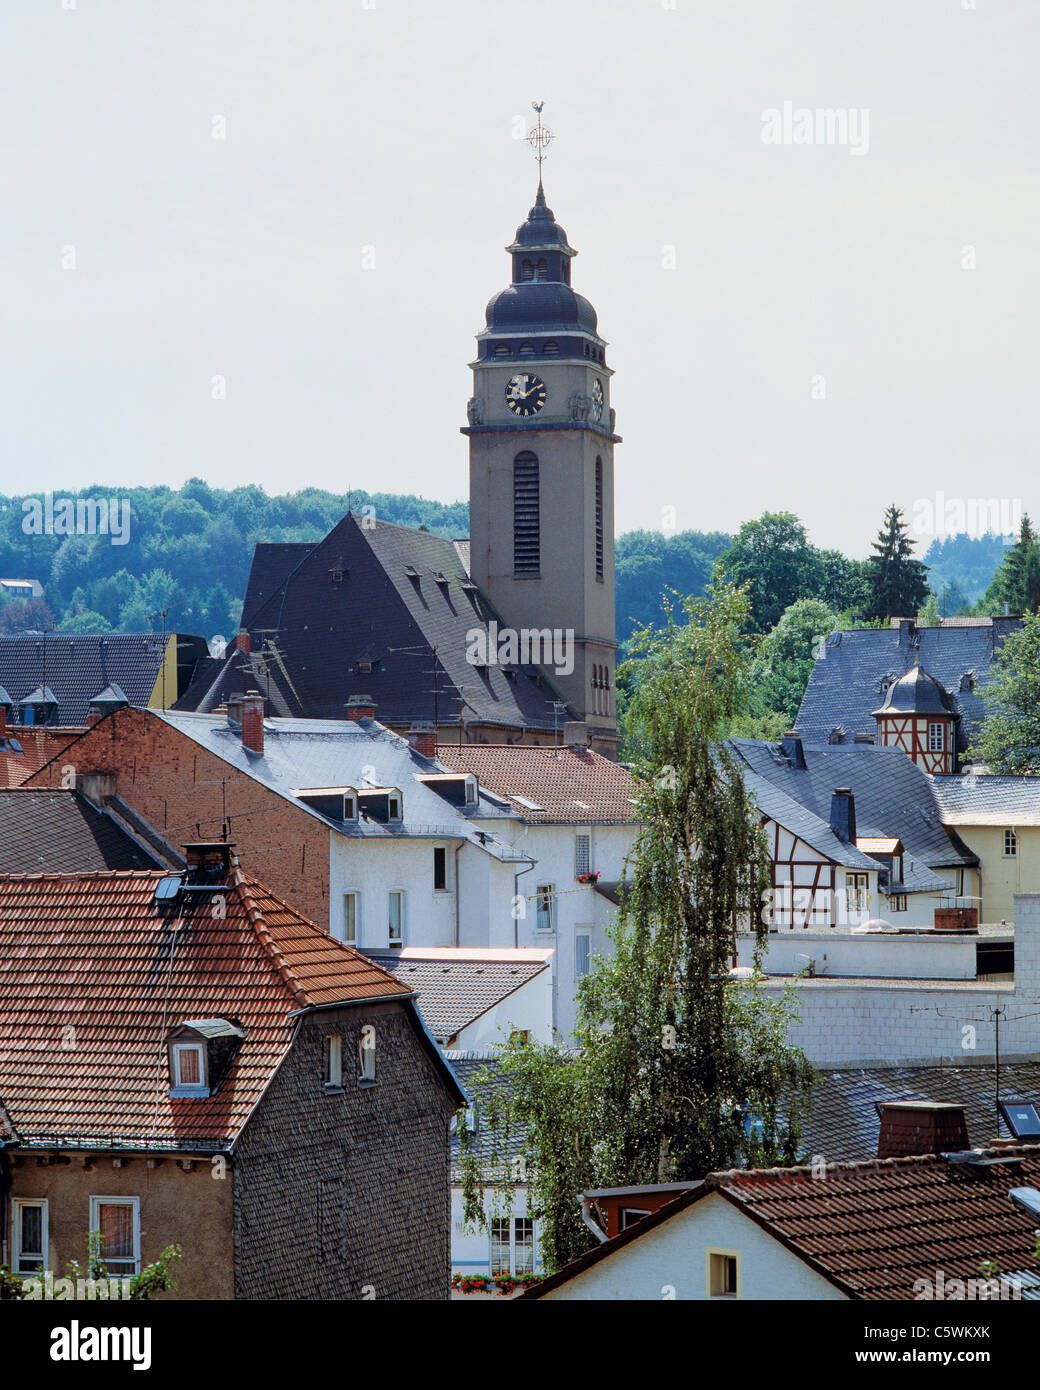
541, 469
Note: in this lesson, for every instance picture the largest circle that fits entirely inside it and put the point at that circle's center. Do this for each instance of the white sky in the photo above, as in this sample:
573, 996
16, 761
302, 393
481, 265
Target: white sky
391, 126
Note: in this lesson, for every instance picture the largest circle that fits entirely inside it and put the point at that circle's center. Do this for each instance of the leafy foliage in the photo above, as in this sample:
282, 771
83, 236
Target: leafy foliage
672, 1058
1009, 740
1015, 586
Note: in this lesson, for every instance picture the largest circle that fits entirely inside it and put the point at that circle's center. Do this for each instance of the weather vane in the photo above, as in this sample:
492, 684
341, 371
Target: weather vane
539, 138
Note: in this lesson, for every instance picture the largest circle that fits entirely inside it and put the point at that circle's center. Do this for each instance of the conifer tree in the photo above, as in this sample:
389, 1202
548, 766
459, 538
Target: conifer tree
897, 583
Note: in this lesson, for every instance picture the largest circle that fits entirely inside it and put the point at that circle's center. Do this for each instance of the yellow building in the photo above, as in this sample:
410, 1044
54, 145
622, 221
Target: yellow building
999, 819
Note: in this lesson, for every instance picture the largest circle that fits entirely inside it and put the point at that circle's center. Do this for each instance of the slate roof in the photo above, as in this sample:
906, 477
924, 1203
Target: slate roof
916, 693
467, 1066
893, 798
62, 832
813, 829
306, 753
453, 989
844, 1124
93, 954
845, 685
988, 800
372, 592
25, 751
872, 1229
80, 665
574, 785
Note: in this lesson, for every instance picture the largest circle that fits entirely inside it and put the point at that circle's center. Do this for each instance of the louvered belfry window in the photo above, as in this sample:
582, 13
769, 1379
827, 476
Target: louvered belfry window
599, 518
526, 525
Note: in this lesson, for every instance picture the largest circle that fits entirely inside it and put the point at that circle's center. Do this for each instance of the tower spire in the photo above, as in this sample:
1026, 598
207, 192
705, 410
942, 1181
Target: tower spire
539, 139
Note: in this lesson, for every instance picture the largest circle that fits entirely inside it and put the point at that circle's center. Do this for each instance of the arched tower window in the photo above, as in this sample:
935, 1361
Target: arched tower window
527, 553
503, 350
550, 348
599, 518
541, 270
527, 349
527, 270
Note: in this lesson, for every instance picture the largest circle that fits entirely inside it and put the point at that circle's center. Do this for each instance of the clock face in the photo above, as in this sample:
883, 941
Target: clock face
597, 399
525, 394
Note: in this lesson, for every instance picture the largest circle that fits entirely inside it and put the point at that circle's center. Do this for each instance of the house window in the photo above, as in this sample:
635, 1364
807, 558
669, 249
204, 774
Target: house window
526, 521
512, 1245
723, 1273
856, 891
519, 1037
367, 1054
599, 518
189, 1068
29, 1231
351, 916
471, 791
581, 854
393, 811
118, 1221
1010, 844
396, 915
936, 737
628, 1216
898, 902
440, 868
544, 907
582, 953
350, 806
334, 1060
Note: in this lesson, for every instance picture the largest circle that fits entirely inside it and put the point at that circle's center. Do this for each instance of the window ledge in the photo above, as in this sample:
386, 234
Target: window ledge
331, 1090
366, 1085
188, 1092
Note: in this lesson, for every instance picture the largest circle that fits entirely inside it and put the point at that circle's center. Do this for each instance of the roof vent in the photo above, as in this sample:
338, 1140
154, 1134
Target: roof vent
791, 748
1027, 1198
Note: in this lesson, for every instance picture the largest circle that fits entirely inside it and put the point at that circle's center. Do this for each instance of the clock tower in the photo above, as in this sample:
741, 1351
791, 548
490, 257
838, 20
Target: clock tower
541, 460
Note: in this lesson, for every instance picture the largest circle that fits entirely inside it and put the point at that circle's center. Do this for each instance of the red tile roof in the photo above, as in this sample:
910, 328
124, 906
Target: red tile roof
875, 1228
93, 978
572, 784
39, 746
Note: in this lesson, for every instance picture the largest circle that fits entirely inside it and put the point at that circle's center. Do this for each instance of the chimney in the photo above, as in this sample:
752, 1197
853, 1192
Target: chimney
93, 717
910, 1127
3, 721
843, 815
575, 734
423, 738
791, 747
208, 862
253, 722
242, 641
361, 707
234, 710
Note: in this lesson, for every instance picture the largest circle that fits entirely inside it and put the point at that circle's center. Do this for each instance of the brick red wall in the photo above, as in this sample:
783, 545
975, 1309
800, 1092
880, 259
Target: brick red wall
175, 785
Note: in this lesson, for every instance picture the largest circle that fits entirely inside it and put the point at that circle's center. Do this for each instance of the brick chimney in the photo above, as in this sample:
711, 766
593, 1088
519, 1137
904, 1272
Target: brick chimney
93, 717
253, 722
910, 1127
361, 707
242, 641
423, 738
843, 815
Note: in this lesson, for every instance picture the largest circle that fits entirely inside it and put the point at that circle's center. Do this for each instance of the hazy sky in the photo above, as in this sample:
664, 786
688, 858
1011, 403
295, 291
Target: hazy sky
390, 124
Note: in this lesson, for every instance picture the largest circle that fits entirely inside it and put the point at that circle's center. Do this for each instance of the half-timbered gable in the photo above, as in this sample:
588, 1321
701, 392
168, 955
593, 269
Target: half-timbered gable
918, 716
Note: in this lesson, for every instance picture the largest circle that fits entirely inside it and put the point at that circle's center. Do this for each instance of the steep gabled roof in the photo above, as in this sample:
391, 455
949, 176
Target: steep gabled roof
362, 612
893, 796
988, 800
93, 976
573, 785
454, 987
846, 684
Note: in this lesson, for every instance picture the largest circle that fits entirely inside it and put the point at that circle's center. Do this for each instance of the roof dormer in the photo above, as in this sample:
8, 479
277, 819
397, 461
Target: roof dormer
384, 805
200, 1051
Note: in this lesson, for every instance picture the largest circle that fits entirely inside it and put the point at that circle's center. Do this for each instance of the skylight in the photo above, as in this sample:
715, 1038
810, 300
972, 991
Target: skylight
526, 802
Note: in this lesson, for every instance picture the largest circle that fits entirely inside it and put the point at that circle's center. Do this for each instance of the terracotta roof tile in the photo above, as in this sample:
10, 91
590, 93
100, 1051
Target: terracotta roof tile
570, 784
93, 977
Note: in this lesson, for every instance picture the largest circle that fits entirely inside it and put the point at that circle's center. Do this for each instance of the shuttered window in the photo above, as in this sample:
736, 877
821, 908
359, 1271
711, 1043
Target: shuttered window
526, 525
599, 518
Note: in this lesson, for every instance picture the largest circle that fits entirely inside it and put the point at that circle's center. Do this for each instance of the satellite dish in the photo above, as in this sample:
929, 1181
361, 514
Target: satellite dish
217, 646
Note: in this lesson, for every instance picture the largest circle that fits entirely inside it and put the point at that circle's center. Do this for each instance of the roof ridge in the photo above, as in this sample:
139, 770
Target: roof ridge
719, 1178
243, 886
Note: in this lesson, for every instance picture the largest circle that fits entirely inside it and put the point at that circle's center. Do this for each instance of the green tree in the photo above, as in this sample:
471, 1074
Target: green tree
773, 557
672, 1058
1009, 740
929, 615
1016, 584
780, 672
897, 582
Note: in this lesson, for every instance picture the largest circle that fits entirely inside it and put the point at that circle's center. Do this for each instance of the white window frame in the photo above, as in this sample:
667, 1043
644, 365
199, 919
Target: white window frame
402, 894
355, 894
511, 1221
443, 849
1010, 842
714, 1250
393, 806
96, 1203
472, 792
582, 845
366, 1060
547, 890
936, 736
179, 1088
350, 800
582, 934
18, 1205
334, 1061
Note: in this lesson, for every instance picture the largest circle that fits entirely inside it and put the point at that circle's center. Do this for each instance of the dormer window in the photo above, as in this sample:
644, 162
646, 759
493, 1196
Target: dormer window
188, 1070
471, 791
381, 804
200, 1053
394, 808
350, 805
